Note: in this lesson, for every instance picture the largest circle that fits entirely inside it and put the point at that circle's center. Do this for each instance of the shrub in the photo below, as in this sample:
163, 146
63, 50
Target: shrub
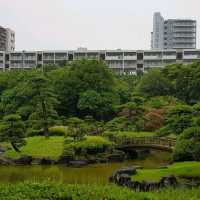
154, 120
33, 132
188, 145
58, 131
90, 145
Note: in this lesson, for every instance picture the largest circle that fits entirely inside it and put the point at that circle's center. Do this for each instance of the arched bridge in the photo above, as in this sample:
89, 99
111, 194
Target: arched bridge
162, 143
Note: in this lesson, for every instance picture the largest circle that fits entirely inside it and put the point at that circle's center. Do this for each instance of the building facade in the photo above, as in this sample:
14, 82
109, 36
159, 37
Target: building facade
173, 33
120, 61
7, 39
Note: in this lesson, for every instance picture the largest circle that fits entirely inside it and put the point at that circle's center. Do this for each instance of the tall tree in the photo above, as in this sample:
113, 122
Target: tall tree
44, 101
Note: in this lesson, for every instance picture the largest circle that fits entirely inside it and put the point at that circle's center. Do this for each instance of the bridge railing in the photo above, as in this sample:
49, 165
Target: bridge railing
157, 141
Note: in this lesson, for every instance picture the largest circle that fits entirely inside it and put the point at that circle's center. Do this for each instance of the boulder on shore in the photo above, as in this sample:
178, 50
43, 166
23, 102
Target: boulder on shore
78, 163
24, 160
6, 161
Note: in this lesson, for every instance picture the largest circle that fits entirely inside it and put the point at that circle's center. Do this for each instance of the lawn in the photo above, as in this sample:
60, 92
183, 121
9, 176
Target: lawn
51, 191
40, 146
177, 169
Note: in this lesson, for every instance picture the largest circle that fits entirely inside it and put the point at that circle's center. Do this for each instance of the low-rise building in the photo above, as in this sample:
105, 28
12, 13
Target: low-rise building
120, 61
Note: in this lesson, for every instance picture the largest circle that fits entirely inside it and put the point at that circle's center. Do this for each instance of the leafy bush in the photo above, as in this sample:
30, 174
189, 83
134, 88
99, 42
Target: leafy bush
117, 124
188, 145
90, 145
58, 131
33, 132
178, 118
154, 119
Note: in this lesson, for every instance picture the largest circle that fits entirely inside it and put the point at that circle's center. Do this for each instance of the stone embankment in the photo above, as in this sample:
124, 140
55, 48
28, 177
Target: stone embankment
123, 177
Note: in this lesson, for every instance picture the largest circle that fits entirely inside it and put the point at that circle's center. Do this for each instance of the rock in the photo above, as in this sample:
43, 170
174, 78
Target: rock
64, 159
46, 161
169, 181
92, 161
78, 163
36, 161
117, 156
128, 170
24, 160
122, 177
2, 150
6, 161
122, 174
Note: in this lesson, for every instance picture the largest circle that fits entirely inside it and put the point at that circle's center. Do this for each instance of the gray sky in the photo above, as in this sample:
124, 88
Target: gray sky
95, 24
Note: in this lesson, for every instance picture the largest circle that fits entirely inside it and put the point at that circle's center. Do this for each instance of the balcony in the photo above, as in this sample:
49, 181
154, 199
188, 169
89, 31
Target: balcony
191, 56
114, 57
152, 57
17, 56
48, 57
29, 65
16, 65
30, 57
134, 57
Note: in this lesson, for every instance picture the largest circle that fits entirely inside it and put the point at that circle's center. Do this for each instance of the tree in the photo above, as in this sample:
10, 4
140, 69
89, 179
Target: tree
154, 84
80, 77
77, 128
44, 101
12, 130
188, 145
178, 118
99, 105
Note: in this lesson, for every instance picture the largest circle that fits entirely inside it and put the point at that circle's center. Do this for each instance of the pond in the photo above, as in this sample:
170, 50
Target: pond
97, 173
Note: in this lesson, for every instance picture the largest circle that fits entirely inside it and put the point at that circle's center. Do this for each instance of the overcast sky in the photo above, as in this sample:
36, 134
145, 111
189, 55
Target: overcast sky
95, 24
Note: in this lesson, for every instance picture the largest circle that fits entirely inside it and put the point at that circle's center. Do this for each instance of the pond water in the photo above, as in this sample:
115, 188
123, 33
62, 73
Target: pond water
97, 173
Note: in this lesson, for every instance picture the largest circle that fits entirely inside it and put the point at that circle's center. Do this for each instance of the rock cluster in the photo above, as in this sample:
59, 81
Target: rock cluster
122, 177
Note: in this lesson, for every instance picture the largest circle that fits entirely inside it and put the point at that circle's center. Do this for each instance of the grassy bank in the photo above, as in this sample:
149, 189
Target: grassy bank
48, 191
178, 169
40, 146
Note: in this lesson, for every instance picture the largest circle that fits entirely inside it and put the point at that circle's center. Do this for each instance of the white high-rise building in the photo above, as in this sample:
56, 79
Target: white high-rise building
158, 32
173, 33
7, 39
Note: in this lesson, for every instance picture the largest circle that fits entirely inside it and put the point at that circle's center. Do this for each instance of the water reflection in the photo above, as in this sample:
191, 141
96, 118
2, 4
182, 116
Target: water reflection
98, 173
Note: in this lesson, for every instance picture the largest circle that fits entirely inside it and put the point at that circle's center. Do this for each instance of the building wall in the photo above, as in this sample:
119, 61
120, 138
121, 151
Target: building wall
120, 61
7, 39
158, 31
173, 33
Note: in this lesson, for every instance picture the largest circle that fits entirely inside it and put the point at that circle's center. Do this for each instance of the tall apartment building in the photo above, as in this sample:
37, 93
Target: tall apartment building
173, 33
7, 39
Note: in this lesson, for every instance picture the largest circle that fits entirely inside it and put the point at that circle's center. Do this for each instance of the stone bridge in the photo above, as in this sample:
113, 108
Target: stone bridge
161, 143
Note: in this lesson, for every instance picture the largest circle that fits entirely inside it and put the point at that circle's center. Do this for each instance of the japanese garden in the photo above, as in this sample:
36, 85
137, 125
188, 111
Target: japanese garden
80, 131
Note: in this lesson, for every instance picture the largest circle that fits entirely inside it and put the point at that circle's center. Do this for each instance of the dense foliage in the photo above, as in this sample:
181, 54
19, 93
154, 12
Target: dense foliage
84, 98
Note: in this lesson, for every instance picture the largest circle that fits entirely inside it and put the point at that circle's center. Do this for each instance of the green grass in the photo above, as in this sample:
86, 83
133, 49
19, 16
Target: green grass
51, 191
177, 169
39, 147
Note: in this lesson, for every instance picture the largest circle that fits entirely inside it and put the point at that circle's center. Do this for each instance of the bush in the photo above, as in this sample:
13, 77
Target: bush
32, 132
117, 124
58, 131
188, 145
90, 145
